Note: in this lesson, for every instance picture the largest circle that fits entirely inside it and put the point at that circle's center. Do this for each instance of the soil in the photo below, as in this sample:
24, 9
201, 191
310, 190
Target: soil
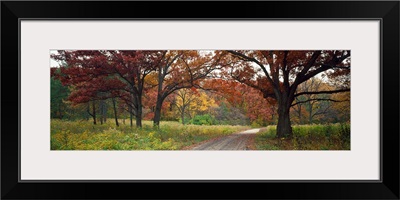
238, 141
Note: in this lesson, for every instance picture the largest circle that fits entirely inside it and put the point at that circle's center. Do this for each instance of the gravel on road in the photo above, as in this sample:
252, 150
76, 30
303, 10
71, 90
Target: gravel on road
237, 141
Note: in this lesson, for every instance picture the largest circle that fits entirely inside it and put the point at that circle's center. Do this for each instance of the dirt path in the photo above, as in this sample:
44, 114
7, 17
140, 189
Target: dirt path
236, 141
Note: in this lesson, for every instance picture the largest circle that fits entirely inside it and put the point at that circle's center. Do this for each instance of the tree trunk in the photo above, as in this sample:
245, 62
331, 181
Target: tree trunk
130, 116
310, 109
299, 113
94, 112
101, 111
115, 112
183, 114
139, 116
284, 127
104, 111
157, 112
183, 117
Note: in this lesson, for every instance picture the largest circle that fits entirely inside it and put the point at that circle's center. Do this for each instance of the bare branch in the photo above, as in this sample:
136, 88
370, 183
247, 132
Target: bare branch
330, 65
323, 92
300, 102
336, 67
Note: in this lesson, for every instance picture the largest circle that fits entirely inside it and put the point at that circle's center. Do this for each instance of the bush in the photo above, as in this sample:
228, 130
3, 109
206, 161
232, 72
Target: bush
203, 120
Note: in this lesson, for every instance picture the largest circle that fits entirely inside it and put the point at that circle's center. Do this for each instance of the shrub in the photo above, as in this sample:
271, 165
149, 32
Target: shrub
203, 120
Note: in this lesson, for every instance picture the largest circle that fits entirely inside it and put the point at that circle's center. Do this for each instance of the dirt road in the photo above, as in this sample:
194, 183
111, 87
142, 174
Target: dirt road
236, 141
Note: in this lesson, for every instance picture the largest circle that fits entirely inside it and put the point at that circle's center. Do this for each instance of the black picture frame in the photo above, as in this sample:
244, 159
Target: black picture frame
386, 11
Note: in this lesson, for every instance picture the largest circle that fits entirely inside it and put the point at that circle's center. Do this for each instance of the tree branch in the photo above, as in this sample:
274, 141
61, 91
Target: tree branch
323, 92
330, 65
322, 112
285, 71
300, 102
246, 58
336, 67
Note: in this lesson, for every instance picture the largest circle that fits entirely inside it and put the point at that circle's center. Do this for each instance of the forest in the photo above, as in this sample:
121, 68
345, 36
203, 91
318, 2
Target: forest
177, 99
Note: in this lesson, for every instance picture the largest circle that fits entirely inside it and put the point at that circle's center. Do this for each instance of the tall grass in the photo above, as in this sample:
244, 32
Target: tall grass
83, 135
307, 137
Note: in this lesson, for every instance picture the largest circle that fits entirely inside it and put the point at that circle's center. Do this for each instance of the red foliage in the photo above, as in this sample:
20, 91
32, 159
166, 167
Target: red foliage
106, 73
244, 97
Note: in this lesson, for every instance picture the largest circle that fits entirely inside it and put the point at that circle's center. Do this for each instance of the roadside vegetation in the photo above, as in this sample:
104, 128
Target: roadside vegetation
306, 137
83, 135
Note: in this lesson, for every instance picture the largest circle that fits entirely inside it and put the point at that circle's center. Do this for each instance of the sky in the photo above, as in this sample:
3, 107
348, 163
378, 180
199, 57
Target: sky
53, 63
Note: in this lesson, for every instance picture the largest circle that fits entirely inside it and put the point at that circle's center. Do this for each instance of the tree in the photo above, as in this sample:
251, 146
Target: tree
184, 97
133, 68
58, 95
93, 92
105, 74
202, 103
313, 108
244, 98
277, 74
115, 111
320, 105
181, 69
342, 107
191, 101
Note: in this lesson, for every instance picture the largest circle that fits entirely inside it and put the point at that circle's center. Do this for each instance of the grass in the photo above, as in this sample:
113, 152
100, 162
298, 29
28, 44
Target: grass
306, 137
83, 135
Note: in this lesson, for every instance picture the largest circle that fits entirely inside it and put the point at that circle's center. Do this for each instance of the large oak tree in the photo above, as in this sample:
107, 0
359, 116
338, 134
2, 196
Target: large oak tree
278, 74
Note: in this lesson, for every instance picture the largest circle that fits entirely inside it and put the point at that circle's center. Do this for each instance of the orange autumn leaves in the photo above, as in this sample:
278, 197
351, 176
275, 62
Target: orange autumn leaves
247, 99
256, 83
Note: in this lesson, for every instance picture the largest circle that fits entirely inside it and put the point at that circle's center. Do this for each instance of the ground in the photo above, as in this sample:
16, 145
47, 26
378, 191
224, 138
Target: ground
236, 141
